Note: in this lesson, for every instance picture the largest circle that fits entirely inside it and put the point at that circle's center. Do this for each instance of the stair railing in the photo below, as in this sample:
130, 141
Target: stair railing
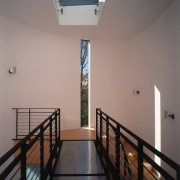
34, 156
127, 156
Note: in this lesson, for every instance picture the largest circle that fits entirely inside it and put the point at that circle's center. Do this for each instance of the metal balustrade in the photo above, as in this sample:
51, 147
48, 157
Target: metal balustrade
127, 156
123, 154
29, 118
34, 156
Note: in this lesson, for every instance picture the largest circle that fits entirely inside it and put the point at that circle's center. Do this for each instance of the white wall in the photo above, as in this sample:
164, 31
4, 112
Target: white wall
149, 59
47, 75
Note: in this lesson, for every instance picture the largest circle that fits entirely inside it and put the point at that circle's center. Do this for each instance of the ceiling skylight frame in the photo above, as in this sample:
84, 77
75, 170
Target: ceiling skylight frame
78, 14
78, 2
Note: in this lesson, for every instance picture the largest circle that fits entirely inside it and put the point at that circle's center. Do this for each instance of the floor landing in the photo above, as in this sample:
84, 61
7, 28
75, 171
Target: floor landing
79, 134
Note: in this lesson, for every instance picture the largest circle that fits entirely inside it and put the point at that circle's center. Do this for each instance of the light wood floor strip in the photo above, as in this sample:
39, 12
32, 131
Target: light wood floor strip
78, 134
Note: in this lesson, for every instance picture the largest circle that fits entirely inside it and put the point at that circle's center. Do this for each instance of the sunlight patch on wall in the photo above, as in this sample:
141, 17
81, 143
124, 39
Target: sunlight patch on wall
157, 105
78, 14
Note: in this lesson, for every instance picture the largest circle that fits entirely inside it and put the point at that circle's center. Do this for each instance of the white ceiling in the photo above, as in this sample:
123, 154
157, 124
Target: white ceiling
120, 19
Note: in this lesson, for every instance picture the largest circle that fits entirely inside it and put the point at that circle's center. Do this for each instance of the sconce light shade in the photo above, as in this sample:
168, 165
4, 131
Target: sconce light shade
12, 70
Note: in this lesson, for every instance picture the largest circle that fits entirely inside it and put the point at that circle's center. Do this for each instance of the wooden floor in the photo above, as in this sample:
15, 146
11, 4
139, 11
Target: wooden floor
78, 134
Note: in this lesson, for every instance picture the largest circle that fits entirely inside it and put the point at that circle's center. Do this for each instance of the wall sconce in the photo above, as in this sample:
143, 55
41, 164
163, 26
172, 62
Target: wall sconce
172, 116
12, 70
166, 115
136, 91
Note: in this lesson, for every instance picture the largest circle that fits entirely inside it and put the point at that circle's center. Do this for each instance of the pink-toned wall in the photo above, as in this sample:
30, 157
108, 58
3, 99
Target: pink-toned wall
48, 75
150, 59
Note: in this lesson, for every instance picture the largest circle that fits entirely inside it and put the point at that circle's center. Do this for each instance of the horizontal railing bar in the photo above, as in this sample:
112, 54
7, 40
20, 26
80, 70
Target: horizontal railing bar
121, 126
111, 125
32, 142
158, 168
76, 175
15, 173
11, 166
129, 141
161, 155
36, 108
33, 112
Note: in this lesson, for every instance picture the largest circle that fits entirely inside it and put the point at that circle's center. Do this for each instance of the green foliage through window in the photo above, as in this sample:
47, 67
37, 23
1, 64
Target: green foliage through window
84, 68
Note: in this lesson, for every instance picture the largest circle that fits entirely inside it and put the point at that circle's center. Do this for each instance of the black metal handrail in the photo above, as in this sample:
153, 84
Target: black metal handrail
114, 141
29, 118
36, 154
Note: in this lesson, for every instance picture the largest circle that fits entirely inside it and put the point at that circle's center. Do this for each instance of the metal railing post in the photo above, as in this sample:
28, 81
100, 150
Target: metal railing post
96, 124
50, 143
125, 166
50, 135
29, 120
23, 161
97, 120
140, 160
107, 144
42, 153
107, 135
55, 127
16, 123
59, 122
101, 127
178, 173
117, 144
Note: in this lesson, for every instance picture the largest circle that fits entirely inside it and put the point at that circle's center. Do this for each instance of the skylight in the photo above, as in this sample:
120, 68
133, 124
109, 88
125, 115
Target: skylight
78, 2
78, 12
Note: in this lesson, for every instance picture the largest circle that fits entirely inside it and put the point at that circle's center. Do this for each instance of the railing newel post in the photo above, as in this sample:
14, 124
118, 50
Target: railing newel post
107, 143
50, 144
56, 126
23, 161
96, 124
140, 160
107, 135
16, 123
29, 120
125, 165
42, 153
101, 127
117, 144
178, 172
100, 134
59, 120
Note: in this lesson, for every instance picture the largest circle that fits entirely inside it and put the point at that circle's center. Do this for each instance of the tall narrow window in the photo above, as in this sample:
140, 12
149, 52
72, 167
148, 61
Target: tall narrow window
84, 83
157, 100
